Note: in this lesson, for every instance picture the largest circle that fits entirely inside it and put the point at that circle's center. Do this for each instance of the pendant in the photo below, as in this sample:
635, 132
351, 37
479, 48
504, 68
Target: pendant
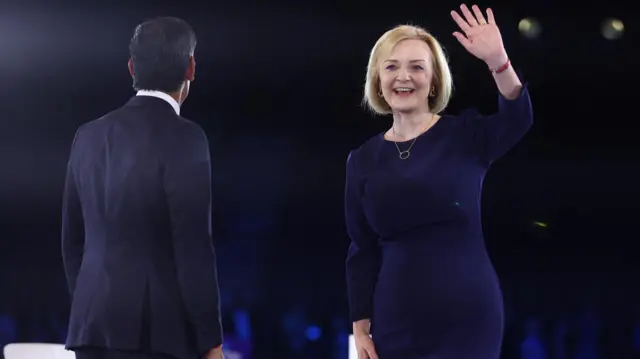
404, 155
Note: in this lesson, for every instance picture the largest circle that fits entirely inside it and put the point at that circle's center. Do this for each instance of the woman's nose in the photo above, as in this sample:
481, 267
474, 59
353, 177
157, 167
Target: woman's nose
403, 75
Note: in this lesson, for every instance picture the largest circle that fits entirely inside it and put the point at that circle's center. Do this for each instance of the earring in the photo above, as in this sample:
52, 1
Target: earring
380, 93
432, 93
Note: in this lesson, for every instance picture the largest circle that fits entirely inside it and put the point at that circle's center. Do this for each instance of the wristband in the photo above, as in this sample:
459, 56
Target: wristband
501, 68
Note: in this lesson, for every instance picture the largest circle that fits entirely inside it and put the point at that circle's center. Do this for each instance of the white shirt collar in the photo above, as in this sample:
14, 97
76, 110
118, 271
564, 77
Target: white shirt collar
163, 96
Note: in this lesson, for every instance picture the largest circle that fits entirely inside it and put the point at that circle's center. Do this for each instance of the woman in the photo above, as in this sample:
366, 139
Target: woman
417, 270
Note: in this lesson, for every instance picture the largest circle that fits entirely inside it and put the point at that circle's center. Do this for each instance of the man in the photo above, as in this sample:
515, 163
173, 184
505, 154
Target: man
136, 231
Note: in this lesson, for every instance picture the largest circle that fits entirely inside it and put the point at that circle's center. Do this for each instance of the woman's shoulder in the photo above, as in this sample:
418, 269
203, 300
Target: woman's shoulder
370, 145
360, 155
462, 115
460, 121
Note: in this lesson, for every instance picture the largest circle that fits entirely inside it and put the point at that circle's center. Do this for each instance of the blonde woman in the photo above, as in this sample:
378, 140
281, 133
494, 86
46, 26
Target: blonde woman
420, 282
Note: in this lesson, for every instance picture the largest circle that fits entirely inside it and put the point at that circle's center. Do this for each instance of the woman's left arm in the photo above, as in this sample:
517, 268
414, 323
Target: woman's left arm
494, 135
483, 40
505, 76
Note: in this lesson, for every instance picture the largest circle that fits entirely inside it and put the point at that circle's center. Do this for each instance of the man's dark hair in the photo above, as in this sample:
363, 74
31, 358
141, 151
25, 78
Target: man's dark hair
160, 50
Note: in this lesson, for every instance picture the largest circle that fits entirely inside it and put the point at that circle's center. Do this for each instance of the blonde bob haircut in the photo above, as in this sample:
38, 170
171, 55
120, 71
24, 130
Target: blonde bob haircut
442, 82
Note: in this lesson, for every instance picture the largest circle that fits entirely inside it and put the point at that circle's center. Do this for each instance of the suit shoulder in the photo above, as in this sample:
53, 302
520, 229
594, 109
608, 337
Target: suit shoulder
93, 126
188, 128
188, 124
100, 121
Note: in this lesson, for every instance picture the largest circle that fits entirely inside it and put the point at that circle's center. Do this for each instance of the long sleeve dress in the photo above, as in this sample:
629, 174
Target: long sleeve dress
417, 265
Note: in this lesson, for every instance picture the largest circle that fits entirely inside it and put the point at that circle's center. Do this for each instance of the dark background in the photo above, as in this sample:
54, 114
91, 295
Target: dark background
278, 90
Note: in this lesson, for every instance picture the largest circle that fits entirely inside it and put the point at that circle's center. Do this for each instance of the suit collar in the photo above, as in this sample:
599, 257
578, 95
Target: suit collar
151, 102
161, 95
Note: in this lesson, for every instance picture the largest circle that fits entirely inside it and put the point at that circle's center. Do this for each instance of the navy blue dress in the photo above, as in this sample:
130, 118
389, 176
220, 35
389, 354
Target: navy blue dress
417, 264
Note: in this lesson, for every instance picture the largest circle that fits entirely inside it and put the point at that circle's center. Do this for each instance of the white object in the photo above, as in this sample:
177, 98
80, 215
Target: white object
57, 351
353, 354
37, 351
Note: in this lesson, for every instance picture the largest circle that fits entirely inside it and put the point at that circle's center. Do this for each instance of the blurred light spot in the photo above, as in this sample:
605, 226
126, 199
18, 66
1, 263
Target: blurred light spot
540, 224
313, 333
529, 27
243, 324
612, 29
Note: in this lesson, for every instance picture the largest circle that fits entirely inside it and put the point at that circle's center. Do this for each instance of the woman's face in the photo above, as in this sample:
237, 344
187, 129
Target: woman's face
405, 76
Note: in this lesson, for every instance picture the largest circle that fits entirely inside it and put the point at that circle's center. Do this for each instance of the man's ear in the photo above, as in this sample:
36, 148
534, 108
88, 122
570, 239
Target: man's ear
191, 70
130, 65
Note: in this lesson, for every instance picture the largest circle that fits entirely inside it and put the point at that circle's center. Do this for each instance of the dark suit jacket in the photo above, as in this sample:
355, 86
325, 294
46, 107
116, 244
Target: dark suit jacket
136, 234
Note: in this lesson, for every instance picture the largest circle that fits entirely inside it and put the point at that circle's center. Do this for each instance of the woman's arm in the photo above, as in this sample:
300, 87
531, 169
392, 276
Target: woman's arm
483, 40
363, 258
506, 79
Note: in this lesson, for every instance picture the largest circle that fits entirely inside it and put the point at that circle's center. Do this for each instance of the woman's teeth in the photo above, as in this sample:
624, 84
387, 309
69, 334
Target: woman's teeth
403, 90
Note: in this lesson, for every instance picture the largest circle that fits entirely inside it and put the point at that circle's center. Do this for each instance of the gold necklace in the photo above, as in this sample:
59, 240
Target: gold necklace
406, 153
